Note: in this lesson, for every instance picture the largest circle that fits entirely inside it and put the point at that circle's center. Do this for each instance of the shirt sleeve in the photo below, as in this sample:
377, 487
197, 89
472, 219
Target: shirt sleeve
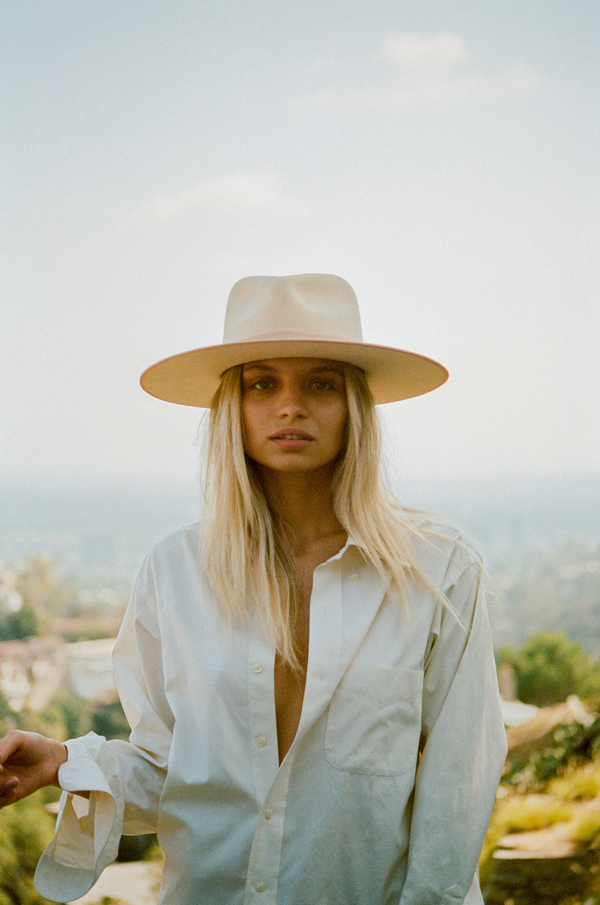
462, 754
124, 779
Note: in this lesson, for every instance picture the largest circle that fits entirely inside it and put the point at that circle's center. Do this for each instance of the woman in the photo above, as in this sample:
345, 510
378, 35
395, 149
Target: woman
308, 676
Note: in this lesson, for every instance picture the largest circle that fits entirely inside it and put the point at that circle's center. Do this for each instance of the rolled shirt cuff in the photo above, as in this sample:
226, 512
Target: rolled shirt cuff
87, 831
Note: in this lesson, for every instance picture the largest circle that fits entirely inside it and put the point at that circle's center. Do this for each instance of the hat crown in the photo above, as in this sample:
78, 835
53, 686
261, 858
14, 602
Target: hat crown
311, 315
305, 306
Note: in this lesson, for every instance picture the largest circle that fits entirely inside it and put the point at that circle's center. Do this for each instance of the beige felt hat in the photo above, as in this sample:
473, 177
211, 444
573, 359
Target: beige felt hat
311, 315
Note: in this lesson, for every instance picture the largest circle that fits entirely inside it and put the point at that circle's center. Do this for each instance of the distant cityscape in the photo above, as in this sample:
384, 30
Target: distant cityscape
540, 539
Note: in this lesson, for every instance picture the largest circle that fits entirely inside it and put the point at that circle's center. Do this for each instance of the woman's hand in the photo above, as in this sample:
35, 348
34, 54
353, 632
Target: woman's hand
28, 762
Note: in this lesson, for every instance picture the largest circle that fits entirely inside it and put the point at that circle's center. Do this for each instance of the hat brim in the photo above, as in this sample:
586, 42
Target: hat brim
192, 378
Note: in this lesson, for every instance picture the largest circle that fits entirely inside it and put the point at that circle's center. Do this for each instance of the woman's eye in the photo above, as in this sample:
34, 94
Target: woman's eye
323, 385
263, 384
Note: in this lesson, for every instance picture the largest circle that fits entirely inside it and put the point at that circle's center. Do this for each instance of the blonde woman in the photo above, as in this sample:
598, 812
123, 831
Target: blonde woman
308, 674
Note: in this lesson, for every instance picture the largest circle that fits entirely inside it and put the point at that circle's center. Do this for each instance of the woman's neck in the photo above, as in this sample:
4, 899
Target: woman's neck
304, 502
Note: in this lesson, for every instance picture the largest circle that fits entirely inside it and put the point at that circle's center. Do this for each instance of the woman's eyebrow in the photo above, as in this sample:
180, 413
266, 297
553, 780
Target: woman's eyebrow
318, 369
258, 367
327, 369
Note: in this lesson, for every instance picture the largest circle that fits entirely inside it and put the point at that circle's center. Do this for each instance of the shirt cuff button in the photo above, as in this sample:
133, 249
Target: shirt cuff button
261, 741
260, 887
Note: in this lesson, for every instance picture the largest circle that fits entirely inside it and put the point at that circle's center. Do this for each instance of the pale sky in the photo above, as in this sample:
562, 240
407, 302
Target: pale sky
440, 156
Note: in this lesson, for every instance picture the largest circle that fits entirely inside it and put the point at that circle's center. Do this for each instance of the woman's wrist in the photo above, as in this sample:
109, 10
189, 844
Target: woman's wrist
61, 757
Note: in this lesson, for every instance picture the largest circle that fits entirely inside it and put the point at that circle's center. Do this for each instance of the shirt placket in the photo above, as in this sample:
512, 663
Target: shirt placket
272, 780
271, 785
265, 853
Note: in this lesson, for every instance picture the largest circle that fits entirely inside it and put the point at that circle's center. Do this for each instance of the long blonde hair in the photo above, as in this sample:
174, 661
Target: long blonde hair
245, 550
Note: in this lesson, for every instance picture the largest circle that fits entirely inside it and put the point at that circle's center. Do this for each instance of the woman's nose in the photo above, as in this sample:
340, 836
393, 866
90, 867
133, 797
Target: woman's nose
291, 400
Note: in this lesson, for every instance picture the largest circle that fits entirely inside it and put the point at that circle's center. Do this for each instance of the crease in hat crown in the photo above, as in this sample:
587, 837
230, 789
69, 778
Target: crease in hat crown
306, 306
311, 315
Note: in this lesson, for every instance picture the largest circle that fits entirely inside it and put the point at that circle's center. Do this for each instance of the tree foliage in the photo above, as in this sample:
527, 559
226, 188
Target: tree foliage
19, 625
549, 667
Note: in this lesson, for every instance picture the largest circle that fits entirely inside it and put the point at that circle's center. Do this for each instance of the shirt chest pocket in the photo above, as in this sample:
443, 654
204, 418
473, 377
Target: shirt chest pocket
374, 721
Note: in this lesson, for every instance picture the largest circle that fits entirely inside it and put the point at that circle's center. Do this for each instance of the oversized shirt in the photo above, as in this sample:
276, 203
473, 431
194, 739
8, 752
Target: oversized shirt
386, 791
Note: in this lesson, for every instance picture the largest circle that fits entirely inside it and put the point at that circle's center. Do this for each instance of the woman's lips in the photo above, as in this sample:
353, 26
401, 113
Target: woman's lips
292, 439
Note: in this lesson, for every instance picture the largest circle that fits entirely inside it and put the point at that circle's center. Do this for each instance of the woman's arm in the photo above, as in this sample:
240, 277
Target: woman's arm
463, 751
124, 779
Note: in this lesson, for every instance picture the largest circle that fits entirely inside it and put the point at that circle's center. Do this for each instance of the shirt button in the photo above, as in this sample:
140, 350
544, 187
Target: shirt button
260, 887
354, 577
269, 813
257, 668
261, 741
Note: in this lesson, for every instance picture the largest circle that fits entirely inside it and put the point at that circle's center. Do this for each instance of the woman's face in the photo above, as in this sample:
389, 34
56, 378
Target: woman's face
294, 413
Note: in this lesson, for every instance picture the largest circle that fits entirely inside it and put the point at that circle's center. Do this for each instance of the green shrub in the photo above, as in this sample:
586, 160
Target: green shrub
19, 625
569, 745
585, 824
25, 830
577, 784
68, 714
549, 667
520, 814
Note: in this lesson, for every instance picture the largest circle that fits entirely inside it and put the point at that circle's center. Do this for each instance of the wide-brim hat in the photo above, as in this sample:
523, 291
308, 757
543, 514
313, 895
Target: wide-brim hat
311, 315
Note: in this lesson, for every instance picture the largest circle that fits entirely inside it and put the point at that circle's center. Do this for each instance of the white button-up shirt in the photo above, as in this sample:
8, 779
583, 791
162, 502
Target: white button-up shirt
386, 792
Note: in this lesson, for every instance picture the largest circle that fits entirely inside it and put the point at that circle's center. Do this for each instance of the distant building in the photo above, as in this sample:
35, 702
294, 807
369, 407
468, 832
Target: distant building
89, 668
33, 670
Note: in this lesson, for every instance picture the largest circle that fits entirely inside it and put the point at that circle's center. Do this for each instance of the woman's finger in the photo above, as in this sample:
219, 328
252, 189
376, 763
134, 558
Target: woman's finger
8, 746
